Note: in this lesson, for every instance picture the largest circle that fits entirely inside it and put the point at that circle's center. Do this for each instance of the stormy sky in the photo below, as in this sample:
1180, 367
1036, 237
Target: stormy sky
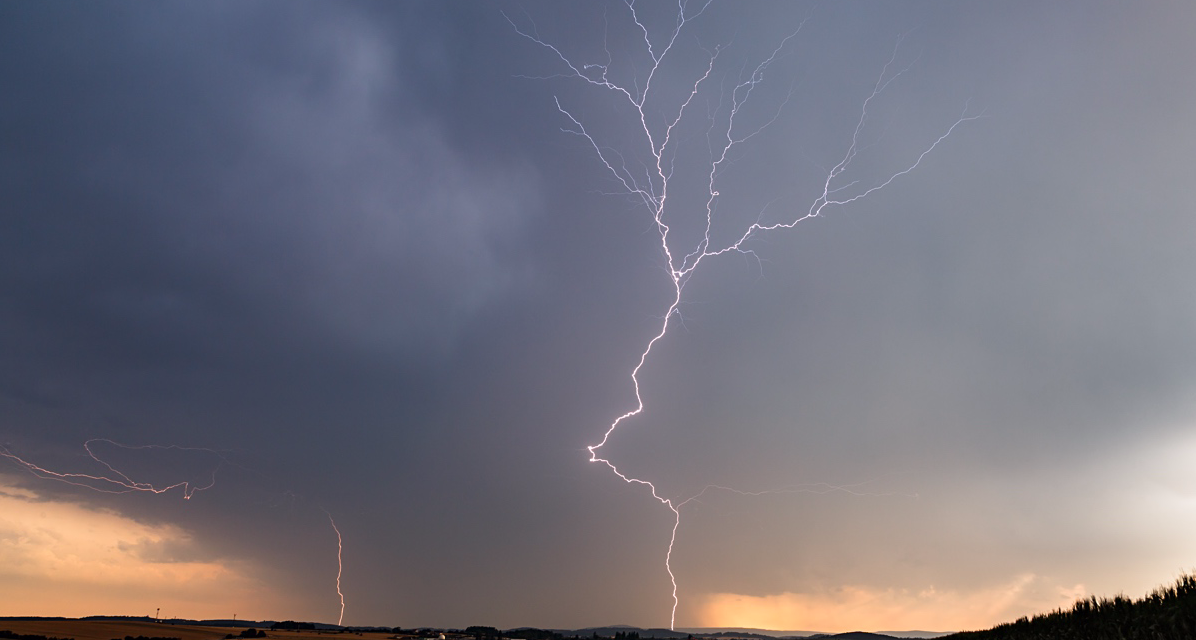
350, 255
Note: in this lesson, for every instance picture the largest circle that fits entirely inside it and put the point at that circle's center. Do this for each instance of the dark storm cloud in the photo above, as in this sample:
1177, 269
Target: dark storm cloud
187, 177
219, 221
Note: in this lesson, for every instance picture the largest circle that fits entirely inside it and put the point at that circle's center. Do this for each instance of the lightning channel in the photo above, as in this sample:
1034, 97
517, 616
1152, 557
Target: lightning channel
116, 481
339, 566
652, 190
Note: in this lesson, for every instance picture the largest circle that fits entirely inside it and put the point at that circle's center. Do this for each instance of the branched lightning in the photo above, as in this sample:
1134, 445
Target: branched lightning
652, 189
117, 481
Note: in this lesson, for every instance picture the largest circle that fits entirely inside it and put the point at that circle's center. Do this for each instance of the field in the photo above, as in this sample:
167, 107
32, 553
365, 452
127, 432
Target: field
110, 629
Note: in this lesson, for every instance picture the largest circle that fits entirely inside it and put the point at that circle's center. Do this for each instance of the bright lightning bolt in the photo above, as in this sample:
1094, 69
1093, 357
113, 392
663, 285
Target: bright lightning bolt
652, 189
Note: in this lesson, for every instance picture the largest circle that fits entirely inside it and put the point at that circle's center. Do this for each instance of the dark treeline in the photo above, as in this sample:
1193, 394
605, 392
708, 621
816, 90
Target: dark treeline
1167, 614
291, 625
248, 633
483, 633
533, 634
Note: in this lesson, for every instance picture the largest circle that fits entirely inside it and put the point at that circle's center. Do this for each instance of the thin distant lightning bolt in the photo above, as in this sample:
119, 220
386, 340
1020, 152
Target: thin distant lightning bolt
652, 189
339, 566
119, 482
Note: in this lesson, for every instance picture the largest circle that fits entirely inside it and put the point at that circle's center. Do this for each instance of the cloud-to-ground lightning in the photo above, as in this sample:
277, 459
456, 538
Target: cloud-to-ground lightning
339, 566
117, 481
650, 185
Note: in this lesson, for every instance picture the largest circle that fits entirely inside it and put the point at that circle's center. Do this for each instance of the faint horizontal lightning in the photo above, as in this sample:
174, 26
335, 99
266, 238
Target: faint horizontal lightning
116, 481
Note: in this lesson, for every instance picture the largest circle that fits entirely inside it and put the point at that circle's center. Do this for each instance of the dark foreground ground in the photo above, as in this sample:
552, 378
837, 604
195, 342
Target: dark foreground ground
1169, 613
140, 629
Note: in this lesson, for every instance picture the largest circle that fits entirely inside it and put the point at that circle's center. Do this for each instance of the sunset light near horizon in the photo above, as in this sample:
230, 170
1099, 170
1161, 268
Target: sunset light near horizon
783, 315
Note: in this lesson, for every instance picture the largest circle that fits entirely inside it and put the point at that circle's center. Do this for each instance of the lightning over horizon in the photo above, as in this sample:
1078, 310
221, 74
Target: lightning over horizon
339, 566
119, 482
576, 315
651, 189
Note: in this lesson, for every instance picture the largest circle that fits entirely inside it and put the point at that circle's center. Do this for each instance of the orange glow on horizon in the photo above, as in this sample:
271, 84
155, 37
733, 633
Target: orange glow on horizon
858, 608
64, 559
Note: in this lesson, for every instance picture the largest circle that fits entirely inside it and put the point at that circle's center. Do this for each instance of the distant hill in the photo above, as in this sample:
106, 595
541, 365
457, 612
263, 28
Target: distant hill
770, 634
746, 632
610, 631
757, 634
730, 634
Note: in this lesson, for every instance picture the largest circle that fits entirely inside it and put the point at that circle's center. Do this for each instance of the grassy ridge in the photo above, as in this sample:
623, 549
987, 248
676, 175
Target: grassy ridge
1169, 613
